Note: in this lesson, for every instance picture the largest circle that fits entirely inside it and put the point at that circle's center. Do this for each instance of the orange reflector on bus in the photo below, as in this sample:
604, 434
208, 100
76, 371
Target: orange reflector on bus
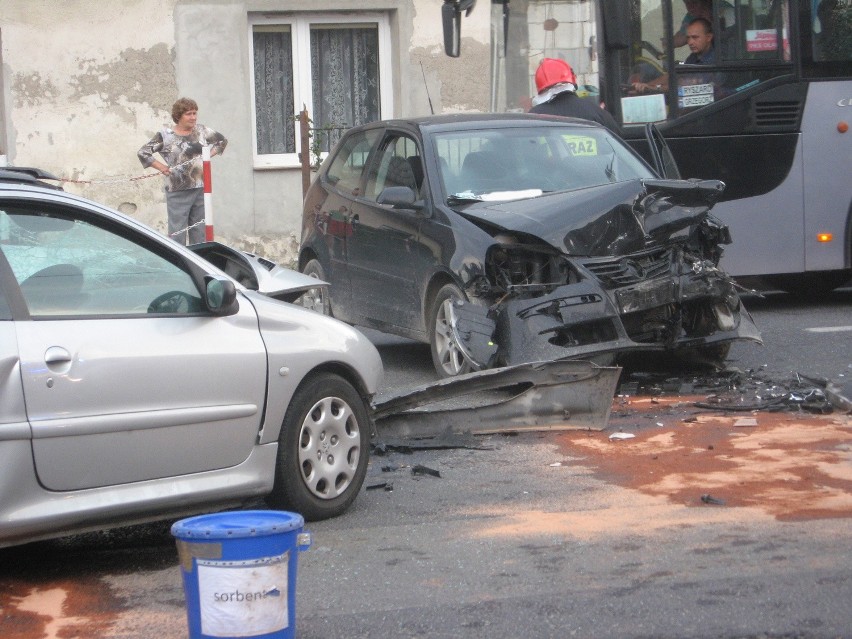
824, 237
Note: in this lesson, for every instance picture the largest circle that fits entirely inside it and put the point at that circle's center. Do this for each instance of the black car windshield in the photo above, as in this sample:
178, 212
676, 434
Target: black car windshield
515, 163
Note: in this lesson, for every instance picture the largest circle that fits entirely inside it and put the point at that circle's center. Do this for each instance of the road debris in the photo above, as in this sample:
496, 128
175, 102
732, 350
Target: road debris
447, 440
387, 486
542, 396
621, 436
733, 390
746, 421
419, 469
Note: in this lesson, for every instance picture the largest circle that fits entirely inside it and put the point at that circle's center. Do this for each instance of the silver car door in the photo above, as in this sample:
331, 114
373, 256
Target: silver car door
120, 387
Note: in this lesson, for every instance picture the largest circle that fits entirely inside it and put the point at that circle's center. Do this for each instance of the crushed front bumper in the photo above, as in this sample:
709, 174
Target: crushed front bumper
584, 320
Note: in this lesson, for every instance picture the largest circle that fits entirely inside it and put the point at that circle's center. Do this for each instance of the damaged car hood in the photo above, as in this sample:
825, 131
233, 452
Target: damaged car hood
611, 219
257, 273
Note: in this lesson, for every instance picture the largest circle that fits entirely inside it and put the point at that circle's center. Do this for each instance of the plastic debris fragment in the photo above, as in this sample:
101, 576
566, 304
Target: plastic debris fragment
424, 470
621, 436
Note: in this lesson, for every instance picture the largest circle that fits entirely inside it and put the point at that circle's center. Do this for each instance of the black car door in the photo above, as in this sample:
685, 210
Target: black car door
384, 255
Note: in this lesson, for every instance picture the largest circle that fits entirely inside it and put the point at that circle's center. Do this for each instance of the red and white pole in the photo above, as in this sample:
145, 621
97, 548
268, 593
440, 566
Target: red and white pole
208, 193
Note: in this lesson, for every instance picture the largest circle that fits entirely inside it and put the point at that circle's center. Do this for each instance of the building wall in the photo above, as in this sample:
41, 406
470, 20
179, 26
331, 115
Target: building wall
103, 76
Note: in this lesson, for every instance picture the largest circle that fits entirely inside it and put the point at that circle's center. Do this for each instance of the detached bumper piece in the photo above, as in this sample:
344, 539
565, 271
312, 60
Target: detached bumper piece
558, 395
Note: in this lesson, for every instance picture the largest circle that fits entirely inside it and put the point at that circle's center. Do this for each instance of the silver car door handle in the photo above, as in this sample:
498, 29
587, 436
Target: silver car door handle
56, 355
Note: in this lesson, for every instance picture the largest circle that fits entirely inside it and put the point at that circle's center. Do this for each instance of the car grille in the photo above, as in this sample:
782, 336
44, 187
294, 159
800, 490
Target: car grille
631, 269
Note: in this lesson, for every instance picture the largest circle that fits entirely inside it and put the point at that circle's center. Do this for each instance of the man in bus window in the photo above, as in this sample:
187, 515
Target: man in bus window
699, 37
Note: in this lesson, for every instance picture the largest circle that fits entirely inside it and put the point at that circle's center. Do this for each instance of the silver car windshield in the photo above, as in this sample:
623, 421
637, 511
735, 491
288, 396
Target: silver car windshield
515, 163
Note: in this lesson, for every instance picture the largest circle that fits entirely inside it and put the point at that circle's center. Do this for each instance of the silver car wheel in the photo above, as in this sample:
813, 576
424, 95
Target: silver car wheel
329, 447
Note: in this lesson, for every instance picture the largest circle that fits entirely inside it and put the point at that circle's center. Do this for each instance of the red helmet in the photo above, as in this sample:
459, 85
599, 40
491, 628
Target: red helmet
553, 71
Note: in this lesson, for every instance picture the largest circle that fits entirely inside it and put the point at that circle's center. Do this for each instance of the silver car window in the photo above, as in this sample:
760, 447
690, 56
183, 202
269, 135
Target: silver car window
66, 266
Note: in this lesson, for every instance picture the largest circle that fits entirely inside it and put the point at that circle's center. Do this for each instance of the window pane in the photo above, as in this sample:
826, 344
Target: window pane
66, 266
398, 165
750, 32
832, 31
345, 64
348, 165
273, 90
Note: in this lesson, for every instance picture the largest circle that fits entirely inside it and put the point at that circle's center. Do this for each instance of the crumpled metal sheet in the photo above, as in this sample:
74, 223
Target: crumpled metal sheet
554, 395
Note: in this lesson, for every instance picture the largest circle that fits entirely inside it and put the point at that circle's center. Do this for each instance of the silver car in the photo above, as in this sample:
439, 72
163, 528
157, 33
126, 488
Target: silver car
140, 382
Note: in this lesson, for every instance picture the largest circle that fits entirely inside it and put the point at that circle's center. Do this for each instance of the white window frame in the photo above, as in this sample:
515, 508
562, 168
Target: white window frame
300, 30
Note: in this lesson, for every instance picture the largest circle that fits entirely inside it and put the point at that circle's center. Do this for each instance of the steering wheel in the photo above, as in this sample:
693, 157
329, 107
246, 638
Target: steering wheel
172, 302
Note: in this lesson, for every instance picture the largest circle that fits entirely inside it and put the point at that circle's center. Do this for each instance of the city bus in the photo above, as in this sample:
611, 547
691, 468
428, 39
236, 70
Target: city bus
769, 117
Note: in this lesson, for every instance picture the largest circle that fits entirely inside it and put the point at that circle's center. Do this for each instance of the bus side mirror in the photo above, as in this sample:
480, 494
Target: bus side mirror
451, 17
616, 23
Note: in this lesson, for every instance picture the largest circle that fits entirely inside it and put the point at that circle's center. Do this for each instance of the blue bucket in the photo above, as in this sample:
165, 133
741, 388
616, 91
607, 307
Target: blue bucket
239, 572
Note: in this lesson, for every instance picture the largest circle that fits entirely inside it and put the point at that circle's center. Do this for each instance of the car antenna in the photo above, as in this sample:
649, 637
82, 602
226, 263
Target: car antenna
426, 84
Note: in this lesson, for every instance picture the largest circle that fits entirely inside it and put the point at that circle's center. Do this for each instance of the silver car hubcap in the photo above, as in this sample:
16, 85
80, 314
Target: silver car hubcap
329, 447
446, 347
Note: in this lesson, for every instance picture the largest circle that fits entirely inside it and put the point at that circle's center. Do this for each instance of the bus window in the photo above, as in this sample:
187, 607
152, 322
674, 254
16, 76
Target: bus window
750, 45
827, 24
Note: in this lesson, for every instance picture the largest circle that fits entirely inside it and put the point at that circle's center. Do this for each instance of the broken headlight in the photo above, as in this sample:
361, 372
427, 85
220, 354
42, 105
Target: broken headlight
515, 268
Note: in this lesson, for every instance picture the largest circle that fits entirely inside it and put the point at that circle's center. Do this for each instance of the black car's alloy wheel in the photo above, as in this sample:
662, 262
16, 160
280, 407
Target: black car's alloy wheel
446, 354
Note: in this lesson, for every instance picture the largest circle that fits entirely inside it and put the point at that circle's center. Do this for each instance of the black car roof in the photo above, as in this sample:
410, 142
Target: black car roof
27, 175
461, 121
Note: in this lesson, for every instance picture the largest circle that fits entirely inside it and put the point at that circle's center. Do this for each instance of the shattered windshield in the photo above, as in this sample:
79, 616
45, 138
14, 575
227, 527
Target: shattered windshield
515, 163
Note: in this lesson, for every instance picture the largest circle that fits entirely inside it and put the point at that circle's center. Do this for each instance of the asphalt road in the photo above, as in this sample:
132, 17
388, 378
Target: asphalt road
520, 536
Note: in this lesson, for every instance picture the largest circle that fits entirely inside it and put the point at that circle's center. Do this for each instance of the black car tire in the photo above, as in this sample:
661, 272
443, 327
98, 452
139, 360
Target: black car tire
323, 449
316, 299
446, 355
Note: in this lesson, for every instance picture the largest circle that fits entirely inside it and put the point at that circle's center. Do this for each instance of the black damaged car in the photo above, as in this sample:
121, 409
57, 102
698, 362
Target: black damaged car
502, 239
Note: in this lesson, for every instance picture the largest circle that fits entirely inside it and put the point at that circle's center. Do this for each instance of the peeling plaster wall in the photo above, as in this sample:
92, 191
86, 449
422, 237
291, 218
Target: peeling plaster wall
454, 84
82, 102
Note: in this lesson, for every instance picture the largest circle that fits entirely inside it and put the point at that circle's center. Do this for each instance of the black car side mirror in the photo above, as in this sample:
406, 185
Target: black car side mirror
400, 197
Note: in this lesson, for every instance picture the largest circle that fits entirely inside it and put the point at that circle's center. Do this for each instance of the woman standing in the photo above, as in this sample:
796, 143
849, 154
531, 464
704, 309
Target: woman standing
179, 148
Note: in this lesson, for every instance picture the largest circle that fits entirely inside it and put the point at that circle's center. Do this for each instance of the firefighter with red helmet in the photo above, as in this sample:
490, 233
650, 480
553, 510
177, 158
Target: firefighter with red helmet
557, 95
